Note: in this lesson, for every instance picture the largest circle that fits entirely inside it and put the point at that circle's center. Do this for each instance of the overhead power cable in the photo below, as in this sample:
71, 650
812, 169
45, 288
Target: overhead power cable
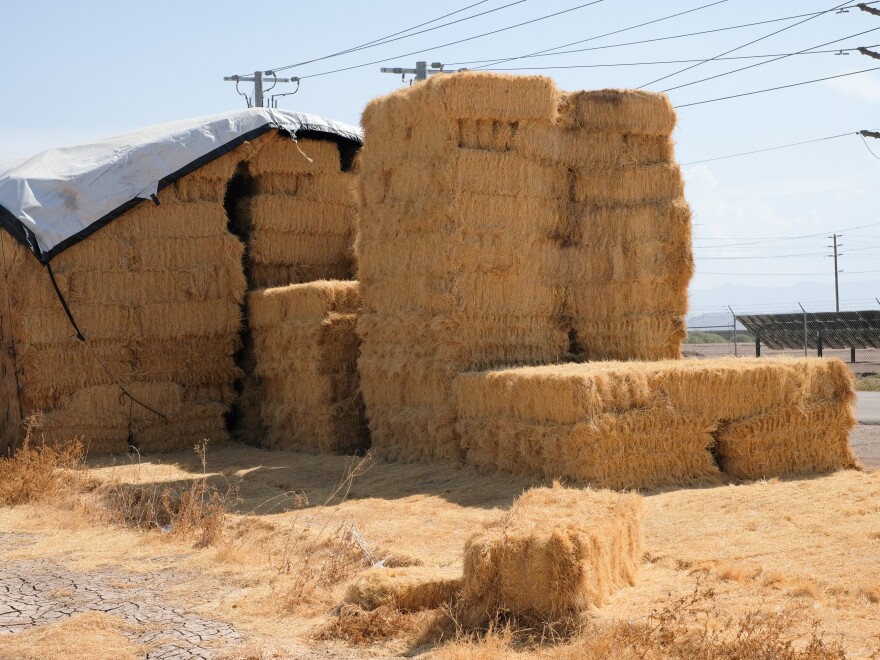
458, 41
727, 52
848, 272
776, 59
600, 36
760, 151
719, 59
773, 89
643, 41
770, 256
761, 239
395, 36
870, 151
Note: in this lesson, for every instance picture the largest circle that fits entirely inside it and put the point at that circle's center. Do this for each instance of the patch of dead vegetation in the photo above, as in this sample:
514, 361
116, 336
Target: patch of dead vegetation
692, 626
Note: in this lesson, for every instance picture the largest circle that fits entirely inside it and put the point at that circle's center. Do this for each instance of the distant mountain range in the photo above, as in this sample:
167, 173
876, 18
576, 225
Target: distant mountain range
756, 299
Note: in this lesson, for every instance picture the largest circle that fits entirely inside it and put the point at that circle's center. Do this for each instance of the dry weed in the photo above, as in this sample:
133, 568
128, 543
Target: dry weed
320, 554
197, 510
41, 473
689, 627
357, 626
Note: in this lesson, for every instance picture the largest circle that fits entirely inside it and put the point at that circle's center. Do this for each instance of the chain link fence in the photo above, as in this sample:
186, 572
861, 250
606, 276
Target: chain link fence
715, 331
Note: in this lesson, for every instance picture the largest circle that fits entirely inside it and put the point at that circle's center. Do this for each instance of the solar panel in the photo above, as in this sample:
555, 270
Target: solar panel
836, 329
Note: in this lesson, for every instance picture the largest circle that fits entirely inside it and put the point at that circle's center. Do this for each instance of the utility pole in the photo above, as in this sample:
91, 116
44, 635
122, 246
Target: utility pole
805, 328
257, 79
421, 71
836, 288
735, 353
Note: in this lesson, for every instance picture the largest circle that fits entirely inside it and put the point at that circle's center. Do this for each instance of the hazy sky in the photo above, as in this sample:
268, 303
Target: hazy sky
77, 71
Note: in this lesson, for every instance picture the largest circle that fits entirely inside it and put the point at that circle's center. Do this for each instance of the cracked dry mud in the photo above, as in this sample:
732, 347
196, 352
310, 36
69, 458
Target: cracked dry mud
35, 592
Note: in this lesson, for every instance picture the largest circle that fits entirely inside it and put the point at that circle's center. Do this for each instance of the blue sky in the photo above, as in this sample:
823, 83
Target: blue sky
77, 71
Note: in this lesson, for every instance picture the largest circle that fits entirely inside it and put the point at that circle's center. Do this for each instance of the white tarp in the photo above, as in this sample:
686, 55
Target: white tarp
54, 199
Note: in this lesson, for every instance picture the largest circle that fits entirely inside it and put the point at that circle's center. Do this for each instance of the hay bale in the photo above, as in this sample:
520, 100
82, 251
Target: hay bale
650, 424
550, 221
298, 212
305, 366
558, 552
409, 589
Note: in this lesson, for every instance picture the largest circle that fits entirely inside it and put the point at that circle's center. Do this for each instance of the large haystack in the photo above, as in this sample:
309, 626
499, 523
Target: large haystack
155, 287
299, 215
648, 424
157, 294
557, 552
503, 222
305, 352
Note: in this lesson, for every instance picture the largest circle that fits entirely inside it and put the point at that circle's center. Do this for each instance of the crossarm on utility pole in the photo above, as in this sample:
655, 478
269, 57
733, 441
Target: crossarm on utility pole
868, 9
869, 53
257, 79
872, 134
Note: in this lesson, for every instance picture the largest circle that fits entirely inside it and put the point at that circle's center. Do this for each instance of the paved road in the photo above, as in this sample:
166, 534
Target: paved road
868, 407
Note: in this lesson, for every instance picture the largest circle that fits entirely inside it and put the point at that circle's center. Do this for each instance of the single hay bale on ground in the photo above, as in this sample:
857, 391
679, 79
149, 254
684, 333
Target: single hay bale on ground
558, 551
305, 366
650, 424
409, 589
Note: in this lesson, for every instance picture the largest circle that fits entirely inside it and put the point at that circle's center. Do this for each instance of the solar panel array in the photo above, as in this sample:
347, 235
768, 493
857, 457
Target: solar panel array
836, 329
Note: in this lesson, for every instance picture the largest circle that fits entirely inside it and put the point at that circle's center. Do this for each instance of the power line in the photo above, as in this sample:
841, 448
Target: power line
870, 151
727, 52
773, 89
458, 41
781, 57
760, 151
645, 41
770, 256
394, 37
849, 272
719, 59
599, 36
788, 238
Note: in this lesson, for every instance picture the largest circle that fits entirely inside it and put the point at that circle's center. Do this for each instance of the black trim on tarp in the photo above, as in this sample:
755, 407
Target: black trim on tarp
20, 232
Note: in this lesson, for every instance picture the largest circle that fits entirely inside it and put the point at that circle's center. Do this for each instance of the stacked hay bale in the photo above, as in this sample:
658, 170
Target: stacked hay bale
157, 294
627, 229
648, 424
299, 217
488, 236
305, 351
558, 552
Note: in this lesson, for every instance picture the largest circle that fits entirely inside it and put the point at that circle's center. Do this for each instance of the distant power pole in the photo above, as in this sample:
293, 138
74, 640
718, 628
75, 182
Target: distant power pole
257, 79
836, 272
421, 71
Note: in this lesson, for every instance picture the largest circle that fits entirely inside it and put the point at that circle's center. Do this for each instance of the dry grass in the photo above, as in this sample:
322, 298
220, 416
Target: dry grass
691, 626
357, 626
867, 383
753, 544
93, 635
40, 473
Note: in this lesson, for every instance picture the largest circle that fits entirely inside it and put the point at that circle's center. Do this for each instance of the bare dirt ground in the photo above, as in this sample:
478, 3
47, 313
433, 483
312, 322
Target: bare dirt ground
811, 545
